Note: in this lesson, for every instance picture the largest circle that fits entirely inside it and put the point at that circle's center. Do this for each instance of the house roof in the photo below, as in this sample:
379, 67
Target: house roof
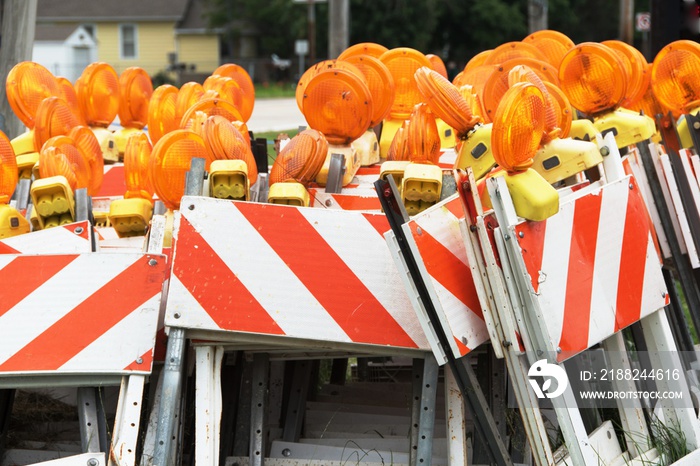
193, 19
112, 11
58, 33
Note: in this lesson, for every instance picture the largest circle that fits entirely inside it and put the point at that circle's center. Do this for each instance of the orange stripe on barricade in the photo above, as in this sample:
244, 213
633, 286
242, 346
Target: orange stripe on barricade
342, 294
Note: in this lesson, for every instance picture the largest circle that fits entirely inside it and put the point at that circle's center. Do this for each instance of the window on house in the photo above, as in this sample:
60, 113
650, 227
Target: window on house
128, 40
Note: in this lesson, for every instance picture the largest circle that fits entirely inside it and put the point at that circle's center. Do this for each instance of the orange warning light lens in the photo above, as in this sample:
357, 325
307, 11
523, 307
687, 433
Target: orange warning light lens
403, 63
242, 77
136, 167
562, 108
318, 68
363, 48
85, 140
675, 76
301, 159
379, 82
552, 44
225, 141
226, 89
211, 107
517, 127
398, 149
497, 84
161, 112
446, 101
8, 169
510, 50
171, 159
635, 65
60, 157
98, 94
53, 118
135, 90
27, 84
593, 78
423, 136
437, 64
338, 104
477, 60
187, 96
68, 94
523, 74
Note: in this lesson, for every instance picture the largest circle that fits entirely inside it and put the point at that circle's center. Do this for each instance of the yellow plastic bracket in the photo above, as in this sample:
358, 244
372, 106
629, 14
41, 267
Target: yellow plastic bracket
24, 143
105, 137
130, 217
561, 158
53, 201
121, 137
421, 186
583, 130
475, 152
288, 193
367, 148
352, 164
25, 164
533, 197
228, 179
447, 135
627, 126
12, 223
389, 128
395, 169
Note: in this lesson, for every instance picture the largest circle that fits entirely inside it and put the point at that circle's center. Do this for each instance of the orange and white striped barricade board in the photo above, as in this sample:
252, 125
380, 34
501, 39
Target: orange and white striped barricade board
583, 275
289, 276
78, 316
436, 243
73, 238
83, 320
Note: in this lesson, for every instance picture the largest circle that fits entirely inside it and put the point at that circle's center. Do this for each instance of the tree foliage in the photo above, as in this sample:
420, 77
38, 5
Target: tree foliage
453, 29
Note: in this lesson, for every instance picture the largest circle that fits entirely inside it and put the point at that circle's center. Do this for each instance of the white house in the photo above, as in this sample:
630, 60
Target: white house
64, 50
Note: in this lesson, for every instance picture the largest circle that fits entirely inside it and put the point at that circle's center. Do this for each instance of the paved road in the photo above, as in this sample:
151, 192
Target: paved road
275, 115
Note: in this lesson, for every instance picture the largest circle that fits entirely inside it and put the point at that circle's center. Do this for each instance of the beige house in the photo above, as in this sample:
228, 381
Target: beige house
157, 35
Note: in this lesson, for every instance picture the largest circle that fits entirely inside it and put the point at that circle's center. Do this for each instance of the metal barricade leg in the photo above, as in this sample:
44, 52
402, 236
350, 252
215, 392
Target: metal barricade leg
126, 424
421, 451
208, 404
456, 422
297, 401
258, 427
170, 395
87, 416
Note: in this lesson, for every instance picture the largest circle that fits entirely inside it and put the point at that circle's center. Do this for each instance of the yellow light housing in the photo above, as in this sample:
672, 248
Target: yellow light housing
130, 217
225, 142
288, 193
421, 187
53, 202
228, 179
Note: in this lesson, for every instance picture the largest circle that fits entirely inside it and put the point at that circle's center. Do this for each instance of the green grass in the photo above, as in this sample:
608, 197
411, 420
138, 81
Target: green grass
271, 136
275, 90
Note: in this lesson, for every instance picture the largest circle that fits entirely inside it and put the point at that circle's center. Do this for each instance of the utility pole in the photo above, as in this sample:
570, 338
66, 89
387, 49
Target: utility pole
537, 15
626, 33
338, 27
18, 25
